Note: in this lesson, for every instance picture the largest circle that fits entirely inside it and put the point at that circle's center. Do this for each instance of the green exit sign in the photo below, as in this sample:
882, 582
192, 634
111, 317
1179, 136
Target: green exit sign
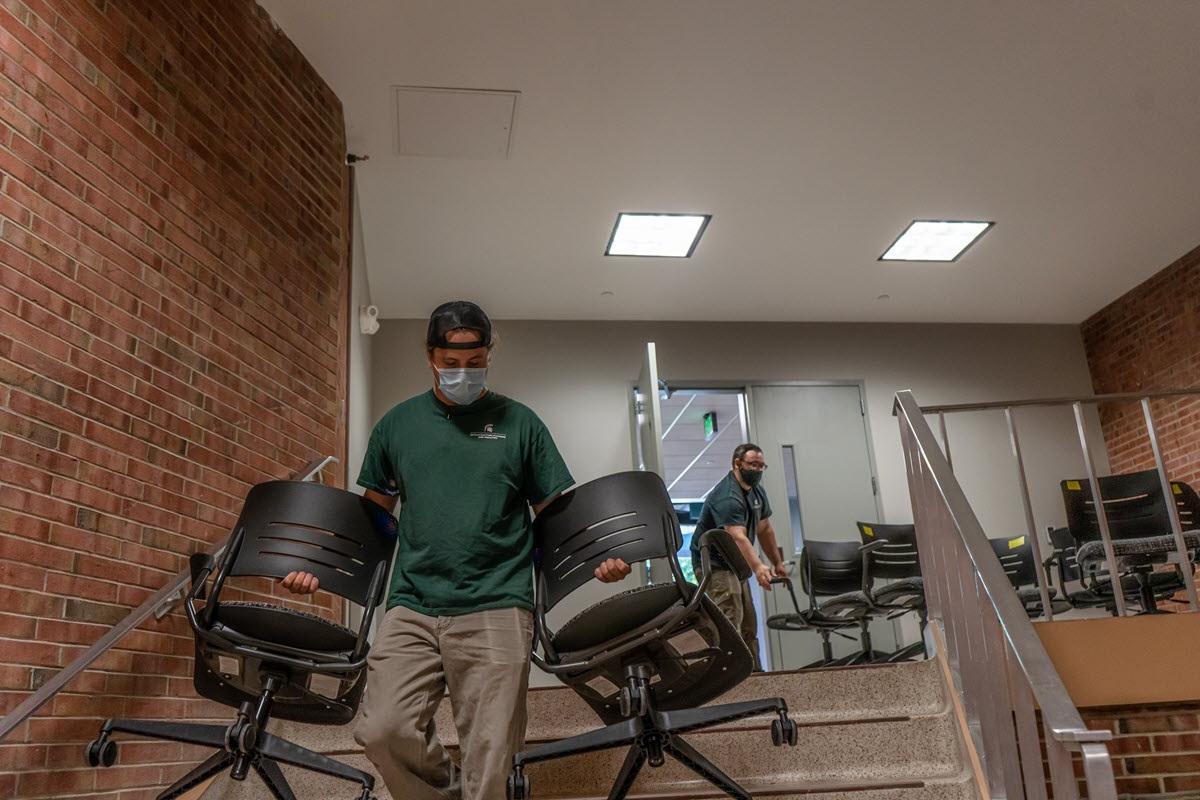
710, 425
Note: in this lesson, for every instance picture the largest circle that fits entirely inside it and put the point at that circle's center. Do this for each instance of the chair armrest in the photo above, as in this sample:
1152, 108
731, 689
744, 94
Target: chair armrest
720, 539
200, 565
791, 591
361, 644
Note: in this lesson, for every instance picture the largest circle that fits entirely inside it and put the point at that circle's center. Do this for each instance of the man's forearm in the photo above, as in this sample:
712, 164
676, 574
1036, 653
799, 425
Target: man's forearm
745, 546
770, 545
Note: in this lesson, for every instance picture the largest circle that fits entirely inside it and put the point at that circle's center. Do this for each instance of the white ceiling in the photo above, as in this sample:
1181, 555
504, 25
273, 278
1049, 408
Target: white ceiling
813, 131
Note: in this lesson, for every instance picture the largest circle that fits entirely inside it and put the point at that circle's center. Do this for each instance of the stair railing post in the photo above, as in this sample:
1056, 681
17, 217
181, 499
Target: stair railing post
1101, 512
1185, 563
1030, 525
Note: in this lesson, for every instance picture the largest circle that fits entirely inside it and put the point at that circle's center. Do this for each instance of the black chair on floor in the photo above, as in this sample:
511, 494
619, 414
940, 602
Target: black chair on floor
646, 659
1095, 586
1016, 557
835, 571
896, 561
269, 661
1139, 523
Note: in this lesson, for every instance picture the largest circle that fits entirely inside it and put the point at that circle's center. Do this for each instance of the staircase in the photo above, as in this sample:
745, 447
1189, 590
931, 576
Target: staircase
887, 732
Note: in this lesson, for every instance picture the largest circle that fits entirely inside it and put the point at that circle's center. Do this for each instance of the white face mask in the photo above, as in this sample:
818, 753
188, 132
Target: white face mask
462, 386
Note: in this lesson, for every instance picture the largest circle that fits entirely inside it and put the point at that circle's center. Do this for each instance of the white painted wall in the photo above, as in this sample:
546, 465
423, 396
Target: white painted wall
575, 375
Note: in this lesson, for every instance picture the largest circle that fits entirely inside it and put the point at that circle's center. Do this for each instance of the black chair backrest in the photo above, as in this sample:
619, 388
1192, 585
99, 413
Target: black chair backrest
1188, 503
1133, 502
897, 557
831, 568
339, 537
1064, 545
1016, 557
627, 515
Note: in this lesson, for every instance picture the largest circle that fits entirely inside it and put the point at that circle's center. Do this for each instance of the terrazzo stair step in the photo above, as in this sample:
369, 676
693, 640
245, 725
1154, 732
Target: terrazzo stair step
891, 752
867, 733
311, 785
852, 693
864, 754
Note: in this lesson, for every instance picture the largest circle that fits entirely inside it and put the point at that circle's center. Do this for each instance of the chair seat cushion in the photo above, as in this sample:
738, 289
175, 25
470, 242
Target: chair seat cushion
284, 626
907, 592
615, 616
848, 606
1031, 594
1031, 598
1091, 554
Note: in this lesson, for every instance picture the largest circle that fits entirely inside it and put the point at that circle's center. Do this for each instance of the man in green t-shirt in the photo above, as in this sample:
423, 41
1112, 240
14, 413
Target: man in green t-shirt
466, 465
739, 504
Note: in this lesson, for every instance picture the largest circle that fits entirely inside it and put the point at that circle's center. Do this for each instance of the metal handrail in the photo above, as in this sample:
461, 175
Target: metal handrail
158, 604
999, 662
1077, 404
1089, 399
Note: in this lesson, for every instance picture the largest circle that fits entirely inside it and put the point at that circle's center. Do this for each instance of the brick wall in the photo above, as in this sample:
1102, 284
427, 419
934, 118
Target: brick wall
172, 329
1155, 749
1150, 339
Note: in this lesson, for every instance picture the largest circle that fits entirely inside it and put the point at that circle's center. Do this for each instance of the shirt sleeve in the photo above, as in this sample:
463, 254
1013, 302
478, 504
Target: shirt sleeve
546, 473
730, 511
378, 471
766, 508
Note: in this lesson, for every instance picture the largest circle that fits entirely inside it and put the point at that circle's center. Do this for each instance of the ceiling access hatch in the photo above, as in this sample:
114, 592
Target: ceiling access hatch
454, 123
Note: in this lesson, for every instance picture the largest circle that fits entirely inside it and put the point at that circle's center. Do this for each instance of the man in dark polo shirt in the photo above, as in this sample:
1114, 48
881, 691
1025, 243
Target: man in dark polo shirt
466, 466
740, 506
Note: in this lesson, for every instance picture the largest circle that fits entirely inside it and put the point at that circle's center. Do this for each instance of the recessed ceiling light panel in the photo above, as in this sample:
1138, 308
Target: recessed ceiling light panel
656, 235
935, 240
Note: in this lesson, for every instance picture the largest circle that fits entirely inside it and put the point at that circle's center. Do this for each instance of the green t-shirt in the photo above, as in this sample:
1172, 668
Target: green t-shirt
465, 476
725, 505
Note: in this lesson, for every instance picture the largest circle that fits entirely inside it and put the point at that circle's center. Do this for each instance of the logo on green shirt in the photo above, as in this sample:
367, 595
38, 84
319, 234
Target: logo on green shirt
488, 432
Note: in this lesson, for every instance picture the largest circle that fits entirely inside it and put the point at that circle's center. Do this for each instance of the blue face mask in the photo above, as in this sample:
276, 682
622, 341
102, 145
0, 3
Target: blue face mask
462, 386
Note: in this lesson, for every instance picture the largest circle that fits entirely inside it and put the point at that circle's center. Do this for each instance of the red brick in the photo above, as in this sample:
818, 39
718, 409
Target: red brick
1132, 786
1180, 783
23, 575
1177, 743
22, 756
1164, 764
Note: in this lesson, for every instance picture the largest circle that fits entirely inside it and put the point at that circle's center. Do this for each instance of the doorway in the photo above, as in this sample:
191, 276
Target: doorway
702, 427
821, 481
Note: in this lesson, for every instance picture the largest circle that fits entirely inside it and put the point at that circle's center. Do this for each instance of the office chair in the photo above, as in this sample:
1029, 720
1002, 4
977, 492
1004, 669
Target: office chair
1139, 523
1095, 585
834, 570
269, 661
895, 560
645, 659
1016, 558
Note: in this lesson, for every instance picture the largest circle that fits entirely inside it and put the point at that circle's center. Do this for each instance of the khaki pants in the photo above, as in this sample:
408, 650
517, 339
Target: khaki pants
482, 659
733, 598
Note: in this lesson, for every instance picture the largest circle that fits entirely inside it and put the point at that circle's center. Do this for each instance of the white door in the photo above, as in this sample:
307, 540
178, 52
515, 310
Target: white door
820, 482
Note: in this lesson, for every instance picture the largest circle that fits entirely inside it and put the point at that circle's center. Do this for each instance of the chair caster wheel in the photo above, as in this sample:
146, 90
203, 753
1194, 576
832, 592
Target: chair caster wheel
784, 730
102, 752
518, 786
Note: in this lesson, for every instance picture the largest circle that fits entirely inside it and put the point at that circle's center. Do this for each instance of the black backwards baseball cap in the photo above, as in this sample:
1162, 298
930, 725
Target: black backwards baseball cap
454, 316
